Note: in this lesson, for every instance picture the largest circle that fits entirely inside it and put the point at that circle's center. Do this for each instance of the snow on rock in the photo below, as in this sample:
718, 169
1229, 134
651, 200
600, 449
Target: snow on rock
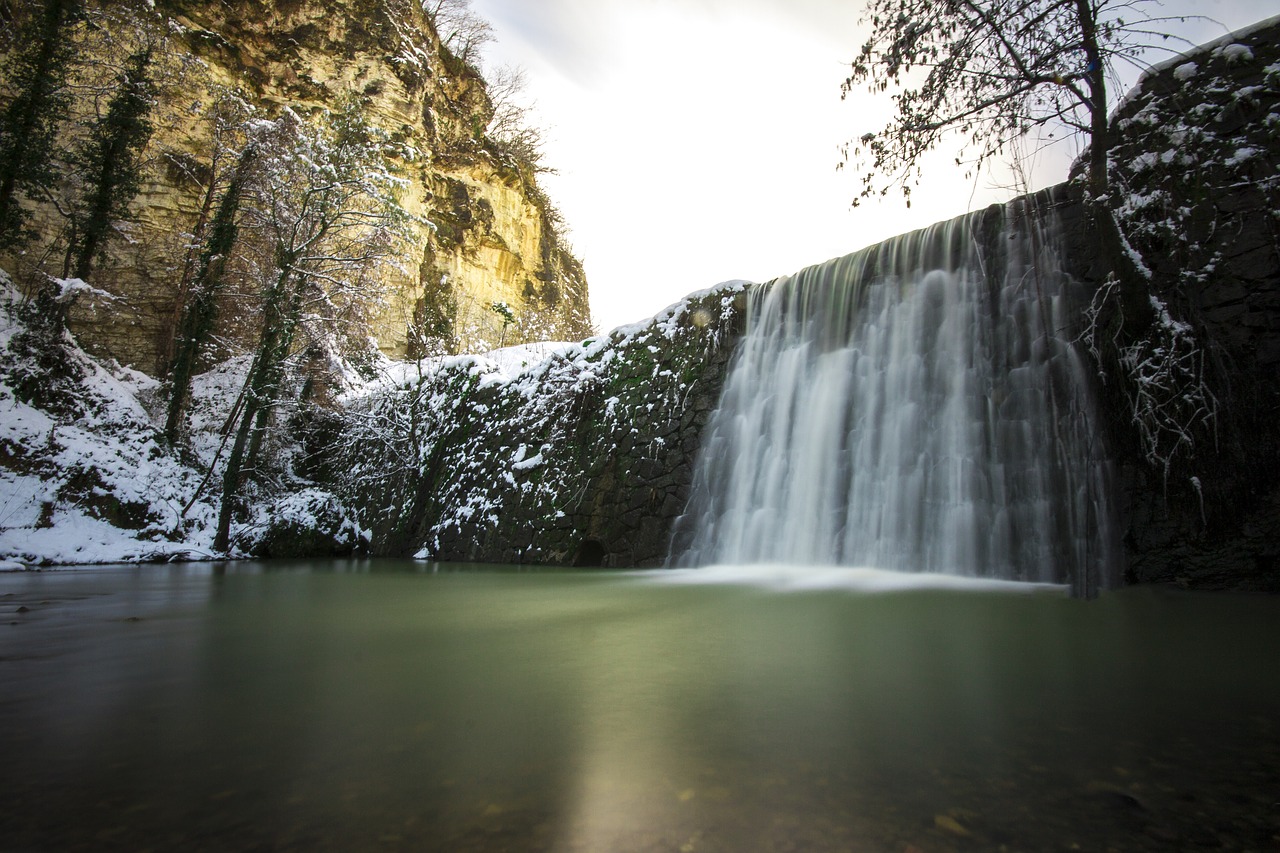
497, 456
1234, 53
1241, 154
85, 479
1185, 71
71, 289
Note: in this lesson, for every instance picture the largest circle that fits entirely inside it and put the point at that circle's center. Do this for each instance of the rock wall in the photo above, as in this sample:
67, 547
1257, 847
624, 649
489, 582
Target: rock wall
1196, 167
583, 459
587, 458
483, 233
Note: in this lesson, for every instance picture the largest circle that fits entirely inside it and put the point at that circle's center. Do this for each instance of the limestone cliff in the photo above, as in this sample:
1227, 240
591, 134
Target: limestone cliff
483, 231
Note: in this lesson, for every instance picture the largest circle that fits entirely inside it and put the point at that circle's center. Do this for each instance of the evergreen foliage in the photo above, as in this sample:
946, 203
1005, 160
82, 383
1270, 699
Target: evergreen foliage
201, 312
111, 159
37, 76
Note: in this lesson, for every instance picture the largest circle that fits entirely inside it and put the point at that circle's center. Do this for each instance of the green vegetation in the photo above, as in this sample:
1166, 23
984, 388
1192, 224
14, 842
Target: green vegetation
37, 75
110, 158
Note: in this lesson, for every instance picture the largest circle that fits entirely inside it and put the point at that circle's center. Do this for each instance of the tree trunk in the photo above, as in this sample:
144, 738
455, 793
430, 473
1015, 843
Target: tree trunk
1131, 272
231, 477
261, 387
167, 347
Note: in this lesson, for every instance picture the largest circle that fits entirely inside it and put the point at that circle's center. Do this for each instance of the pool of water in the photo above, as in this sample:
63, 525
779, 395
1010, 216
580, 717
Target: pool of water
400, 706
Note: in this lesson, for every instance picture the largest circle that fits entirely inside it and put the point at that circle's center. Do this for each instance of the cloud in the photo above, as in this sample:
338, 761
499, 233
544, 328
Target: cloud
571, 36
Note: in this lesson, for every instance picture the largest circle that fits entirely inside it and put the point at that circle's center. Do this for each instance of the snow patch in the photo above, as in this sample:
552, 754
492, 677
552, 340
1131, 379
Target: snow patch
71, 289
1234, 53
1241, 155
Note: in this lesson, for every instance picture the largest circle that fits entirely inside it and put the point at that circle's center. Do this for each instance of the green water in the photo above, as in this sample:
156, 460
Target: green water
378, 706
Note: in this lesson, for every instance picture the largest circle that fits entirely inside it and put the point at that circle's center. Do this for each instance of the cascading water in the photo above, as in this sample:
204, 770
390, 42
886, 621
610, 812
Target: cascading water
916, 406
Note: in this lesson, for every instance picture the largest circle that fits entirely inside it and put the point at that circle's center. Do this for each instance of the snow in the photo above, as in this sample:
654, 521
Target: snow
667, 319
71, 289
1145, 161
68, 469
531, 462
1185, 71
1241, 154
1218, 48
76, 538
1234, 53
1177, 327
93, 481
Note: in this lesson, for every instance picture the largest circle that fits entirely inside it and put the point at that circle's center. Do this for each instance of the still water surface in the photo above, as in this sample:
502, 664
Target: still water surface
395, 706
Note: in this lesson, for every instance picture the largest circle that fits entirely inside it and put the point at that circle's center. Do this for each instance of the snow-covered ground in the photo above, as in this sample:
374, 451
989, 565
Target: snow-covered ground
90, 458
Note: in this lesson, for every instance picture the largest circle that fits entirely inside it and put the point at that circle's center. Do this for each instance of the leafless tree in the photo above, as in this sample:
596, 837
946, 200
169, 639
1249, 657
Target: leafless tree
987, 74
461, 30
513, 126
984, 73
325, 216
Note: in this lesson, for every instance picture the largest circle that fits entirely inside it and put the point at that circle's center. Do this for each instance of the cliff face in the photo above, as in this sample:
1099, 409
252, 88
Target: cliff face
482, 231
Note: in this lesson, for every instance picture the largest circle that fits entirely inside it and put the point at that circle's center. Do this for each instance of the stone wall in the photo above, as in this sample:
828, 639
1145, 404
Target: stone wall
584, 459
1196, 170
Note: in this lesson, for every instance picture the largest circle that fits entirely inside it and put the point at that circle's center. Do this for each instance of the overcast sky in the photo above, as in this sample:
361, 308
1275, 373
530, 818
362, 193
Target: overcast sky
696, 140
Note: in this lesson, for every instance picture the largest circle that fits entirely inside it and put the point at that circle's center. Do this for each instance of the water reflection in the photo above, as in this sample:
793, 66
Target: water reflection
386, 706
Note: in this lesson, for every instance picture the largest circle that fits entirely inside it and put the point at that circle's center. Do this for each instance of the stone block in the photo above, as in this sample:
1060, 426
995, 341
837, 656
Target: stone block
1223, 314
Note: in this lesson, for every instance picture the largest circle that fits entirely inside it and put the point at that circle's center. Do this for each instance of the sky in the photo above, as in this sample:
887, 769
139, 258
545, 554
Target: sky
696, 141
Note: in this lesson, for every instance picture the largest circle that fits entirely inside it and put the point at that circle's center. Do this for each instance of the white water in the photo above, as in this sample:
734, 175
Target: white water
780, 577
916, 406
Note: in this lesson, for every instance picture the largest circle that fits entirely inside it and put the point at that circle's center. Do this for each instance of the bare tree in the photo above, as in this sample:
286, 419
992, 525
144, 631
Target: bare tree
461, 30
988, 74
325, 212
512, 125
985, 73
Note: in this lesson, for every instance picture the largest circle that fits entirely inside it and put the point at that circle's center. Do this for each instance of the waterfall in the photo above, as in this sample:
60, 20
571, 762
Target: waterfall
915, 406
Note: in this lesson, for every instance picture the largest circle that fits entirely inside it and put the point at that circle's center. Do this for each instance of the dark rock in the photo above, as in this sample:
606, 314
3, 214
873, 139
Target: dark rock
1209, 520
